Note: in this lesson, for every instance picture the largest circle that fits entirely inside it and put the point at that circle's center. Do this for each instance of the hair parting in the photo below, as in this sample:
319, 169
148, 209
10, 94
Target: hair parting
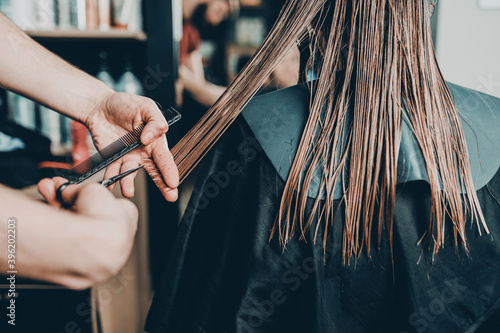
377, 69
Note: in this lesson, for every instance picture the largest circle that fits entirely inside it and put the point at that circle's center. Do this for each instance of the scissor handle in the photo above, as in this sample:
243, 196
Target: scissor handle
59, 191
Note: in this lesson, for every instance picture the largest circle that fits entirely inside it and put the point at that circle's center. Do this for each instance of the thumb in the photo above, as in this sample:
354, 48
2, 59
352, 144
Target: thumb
156, 125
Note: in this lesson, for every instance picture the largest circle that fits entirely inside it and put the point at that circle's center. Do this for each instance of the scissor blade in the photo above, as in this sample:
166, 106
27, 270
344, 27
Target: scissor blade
112, 180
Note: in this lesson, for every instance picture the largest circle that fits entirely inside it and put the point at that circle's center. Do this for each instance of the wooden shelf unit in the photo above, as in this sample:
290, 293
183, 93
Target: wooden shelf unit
88, 34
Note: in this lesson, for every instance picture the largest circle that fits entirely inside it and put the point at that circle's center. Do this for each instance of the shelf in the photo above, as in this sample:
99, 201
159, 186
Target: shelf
91, 34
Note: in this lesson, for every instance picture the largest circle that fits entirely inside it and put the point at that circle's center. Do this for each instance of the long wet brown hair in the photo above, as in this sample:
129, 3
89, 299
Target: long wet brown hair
375, 58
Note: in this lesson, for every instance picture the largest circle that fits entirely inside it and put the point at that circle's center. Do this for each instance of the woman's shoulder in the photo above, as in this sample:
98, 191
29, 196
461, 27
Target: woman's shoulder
480, 116
468, 100
277, 119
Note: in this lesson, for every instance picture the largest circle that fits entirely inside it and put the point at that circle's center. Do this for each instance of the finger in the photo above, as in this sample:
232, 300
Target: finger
112, 170
127, 183
156, 125
68, 194
165, 163
46, 187
171, 195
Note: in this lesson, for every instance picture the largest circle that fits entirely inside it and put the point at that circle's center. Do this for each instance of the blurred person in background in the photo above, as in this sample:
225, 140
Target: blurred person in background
285, 75
191, 70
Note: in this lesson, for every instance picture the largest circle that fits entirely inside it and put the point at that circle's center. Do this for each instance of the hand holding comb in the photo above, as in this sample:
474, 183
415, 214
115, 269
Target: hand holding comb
114, 152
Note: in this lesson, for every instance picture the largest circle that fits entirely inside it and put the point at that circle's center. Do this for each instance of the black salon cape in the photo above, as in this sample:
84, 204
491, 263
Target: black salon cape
224, 275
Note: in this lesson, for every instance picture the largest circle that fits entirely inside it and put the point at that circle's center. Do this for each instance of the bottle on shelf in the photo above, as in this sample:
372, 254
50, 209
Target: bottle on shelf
79, 14
22, 13
50, 124
65, 125
6, 7
136, 24
103, 73
120, 13
21, 110
104, 8
45, 13
26, 16
128, 82
128, 14
92, 12
50, 127
64, 14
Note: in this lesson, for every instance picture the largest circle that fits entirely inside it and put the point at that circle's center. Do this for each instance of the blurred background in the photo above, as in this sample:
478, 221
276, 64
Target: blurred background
182, 54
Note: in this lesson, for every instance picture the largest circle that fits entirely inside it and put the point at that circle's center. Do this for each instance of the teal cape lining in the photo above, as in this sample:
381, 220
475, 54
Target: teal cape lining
278, 119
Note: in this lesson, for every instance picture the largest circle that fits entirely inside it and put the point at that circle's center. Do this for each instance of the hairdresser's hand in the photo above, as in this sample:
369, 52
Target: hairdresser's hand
119, 113
106, 226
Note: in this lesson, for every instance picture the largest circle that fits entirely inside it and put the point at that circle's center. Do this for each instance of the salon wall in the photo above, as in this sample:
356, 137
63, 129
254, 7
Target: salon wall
468, 44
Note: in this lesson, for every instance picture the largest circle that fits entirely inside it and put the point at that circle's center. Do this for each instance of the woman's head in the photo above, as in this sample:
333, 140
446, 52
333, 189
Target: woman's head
373, 58
217, 11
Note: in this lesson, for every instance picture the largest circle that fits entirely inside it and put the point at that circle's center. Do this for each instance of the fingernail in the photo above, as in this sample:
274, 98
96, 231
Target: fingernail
148, 137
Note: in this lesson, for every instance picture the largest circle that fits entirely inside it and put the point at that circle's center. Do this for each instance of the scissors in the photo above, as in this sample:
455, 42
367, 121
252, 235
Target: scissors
106, 183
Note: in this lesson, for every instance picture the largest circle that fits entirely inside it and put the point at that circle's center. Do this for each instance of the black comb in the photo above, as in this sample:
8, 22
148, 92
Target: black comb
114, 151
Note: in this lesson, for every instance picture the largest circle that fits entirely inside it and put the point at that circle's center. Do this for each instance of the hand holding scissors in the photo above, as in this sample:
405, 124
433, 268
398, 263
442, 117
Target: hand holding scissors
106, 183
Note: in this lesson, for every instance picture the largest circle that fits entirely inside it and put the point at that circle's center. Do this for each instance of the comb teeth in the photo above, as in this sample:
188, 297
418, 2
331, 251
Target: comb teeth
132, 137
